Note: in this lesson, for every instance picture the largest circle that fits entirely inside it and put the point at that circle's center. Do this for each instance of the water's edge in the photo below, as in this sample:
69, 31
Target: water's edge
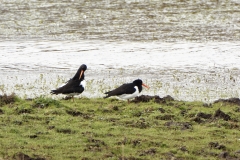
186, 71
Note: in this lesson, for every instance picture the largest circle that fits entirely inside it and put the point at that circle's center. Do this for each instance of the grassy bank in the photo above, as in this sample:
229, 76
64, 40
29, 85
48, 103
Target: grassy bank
160, 128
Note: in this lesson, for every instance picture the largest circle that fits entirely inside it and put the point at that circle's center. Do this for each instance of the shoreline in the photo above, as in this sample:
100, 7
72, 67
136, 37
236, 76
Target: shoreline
186, 71
8, 98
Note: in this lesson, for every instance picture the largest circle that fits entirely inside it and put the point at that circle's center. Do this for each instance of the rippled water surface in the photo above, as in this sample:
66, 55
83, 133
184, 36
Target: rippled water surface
187, 49
140, 20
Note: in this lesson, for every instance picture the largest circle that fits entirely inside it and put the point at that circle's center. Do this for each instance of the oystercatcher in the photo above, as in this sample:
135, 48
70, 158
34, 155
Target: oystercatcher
75, 85
127, 90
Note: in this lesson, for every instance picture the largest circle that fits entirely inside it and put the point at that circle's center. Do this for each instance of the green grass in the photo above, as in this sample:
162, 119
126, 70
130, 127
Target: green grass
112, 129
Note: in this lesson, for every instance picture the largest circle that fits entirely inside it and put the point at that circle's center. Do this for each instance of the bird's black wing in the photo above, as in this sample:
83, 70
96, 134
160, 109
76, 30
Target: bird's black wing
72, 86
127, 88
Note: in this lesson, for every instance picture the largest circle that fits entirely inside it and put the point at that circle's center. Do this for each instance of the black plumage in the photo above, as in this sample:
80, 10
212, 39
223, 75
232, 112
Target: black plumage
75, 85
127, 90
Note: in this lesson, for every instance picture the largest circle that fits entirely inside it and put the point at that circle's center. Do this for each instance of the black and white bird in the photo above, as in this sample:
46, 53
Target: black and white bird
127, 90
75, 85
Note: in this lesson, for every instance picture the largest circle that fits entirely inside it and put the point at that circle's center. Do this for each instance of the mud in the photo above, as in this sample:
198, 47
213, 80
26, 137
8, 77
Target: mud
205, 117
161, 110
151, 151
157, 99
201, 116
230, 100
142, 124
76, 113
165, 117
22, 156
220, 114
23, 111
223, 155
183, 149
65, 131
216, 145
1, 111
95, 145
168, 99
7, 99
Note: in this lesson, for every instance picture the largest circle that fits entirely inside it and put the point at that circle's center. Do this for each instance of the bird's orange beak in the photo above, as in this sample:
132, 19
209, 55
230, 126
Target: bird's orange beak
81, 74
144, 85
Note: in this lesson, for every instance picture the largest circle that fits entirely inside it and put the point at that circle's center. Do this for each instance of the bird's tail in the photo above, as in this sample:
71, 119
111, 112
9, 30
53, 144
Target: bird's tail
54, 92
106, 96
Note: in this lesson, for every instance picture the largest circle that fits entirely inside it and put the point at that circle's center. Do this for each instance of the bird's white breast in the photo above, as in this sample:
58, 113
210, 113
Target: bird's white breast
83, 83
129, 96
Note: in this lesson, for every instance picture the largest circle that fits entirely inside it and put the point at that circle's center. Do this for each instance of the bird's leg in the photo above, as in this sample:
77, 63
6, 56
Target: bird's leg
128, 101
73, 98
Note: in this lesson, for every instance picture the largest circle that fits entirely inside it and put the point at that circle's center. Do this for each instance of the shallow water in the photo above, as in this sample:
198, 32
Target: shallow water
138, 20
186, 71
187, 49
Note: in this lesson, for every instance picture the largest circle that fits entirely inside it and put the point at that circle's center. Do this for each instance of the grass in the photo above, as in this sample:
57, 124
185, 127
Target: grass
44, 128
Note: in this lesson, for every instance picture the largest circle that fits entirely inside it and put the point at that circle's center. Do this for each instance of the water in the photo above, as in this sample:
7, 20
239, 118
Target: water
187, 49
138, 20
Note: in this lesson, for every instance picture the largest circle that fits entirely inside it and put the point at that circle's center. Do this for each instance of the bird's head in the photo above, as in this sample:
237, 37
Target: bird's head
82, 69
139, 82
80, 73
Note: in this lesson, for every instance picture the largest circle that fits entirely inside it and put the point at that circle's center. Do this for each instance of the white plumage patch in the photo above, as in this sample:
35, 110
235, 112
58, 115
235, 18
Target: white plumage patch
73, 94
83, 83
129, 96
